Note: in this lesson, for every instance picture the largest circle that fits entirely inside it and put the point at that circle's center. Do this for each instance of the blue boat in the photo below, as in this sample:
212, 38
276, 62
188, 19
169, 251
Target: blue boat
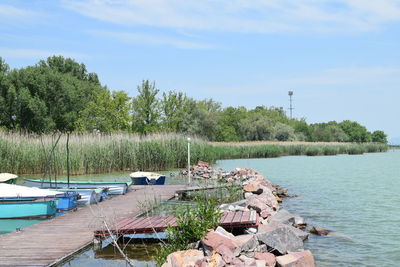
21, 209
147, 178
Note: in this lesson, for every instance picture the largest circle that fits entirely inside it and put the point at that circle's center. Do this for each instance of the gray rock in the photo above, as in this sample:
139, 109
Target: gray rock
283, 216
280, 238
251, 230
246, 242
247, 194
300, 233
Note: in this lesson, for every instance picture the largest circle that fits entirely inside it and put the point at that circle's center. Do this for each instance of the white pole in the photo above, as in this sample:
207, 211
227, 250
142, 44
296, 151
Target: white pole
188, 160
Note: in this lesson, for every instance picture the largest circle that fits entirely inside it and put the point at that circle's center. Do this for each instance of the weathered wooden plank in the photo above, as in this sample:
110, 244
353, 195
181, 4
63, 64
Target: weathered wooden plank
49, 241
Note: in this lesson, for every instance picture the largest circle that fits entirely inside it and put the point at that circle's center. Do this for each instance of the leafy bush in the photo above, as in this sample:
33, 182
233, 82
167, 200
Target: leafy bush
193, 222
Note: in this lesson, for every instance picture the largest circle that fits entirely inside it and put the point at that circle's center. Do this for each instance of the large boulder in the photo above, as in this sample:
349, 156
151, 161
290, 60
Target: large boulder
300, 233
269, 258
296, 259
257, 187
246, 243
254, 203
221, 242
280, 238
283, 216
184, 258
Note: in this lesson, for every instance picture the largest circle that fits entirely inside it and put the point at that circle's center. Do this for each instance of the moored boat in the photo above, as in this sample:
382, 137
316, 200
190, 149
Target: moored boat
88, 195
114, 188
8, 178
21, 209
19, 193
147, 178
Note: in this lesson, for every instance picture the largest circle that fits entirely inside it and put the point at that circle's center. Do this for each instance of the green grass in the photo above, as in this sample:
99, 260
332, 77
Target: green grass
92, 153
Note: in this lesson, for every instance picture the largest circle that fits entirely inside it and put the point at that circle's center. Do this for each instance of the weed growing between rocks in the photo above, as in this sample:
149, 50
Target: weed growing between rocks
193, 222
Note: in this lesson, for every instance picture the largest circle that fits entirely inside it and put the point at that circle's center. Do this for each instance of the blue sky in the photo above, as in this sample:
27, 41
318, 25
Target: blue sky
340, 57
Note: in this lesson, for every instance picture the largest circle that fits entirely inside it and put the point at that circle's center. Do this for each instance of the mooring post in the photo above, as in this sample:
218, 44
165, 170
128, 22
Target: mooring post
97, 243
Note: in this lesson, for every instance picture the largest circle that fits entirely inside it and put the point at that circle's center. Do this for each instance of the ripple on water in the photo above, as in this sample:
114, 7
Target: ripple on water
355, 196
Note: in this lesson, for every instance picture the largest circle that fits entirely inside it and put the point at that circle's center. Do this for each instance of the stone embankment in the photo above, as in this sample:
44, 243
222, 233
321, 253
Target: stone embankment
277, 241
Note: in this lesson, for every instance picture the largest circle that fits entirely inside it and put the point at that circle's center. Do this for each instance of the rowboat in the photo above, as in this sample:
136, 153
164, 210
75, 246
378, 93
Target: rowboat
8, 178
147, 178
21, 209
114, 188
21, 194
88, 195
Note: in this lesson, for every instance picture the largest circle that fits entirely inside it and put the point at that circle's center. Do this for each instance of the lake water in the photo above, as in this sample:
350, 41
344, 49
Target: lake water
355, 196
358, 197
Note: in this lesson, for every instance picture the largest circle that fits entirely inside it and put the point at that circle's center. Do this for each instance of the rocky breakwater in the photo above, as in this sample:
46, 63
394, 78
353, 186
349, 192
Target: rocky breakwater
276, 241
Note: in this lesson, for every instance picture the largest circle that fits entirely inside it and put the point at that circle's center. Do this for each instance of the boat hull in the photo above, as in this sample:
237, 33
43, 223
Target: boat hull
113, 188
27, 209
146, 181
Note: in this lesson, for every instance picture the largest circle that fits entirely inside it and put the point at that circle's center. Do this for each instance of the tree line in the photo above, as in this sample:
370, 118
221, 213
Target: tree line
59, 94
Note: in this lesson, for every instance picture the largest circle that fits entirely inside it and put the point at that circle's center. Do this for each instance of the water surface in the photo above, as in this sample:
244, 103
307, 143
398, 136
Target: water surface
355, 196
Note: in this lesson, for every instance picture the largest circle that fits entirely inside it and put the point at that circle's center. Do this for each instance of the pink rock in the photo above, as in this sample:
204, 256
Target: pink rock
265, 214
248, 261
256, 204
226, 253
184, 258
214, 239
269, 258
296, 259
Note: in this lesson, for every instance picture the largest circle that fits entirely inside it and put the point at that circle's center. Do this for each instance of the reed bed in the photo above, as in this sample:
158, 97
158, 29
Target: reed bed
96, 153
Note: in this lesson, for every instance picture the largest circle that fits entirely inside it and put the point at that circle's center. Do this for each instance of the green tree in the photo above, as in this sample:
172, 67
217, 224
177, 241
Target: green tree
145, 108
379, 137
355, 131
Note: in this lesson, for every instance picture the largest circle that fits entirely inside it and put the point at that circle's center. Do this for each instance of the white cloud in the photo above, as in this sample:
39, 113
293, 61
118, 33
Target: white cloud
254, 16
140, 38
36, 53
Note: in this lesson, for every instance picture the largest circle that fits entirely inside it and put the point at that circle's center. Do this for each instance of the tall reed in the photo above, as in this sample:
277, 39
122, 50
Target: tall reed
95, 153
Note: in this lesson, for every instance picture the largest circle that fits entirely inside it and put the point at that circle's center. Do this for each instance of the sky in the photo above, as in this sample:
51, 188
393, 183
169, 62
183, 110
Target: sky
340, 57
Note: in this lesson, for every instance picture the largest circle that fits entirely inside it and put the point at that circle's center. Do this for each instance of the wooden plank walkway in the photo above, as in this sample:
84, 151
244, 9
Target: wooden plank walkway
156, 224
52, 241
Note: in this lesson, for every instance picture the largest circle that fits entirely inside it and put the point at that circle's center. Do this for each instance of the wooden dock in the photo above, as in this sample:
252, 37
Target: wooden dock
156, 224
53, 241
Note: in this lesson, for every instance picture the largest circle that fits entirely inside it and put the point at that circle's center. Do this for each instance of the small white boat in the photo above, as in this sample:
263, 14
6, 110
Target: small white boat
88, 195
8, 178
114, 188
147, 178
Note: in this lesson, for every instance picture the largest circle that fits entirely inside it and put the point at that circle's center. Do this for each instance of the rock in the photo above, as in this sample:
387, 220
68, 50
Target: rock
222, 231
261, 263
299, 233
269, 258
230, 180
261, 248
219, 238
248, 194
251, 230
231, 208
246, 242
299, 222
320, 231
254, 187
255, 204
283, 216
296, 259
184, 258
248, 261
216, 260
241, 203
280, 238
265, 214
226, 253
269, 199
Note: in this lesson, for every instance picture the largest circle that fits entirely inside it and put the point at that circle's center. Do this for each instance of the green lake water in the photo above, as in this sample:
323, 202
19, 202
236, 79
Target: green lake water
358, 197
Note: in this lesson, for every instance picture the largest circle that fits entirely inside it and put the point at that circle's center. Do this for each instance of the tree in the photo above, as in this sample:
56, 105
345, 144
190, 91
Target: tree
284, 132
355, 131
146, 109
379, 137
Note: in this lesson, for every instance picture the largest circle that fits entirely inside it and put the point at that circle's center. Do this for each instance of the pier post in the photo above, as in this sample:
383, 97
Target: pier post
97, 243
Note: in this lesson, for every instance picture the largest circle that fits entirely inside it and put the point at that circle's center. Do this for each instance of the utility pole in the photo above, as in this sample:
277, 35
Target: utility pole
291, 107
189, 182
